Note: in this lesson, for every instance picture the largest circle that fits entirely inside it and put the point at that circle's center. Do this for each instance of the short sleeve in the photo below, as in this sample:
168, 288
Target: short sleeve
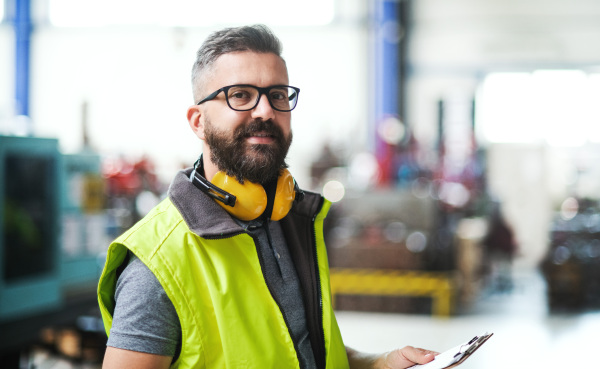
144, 319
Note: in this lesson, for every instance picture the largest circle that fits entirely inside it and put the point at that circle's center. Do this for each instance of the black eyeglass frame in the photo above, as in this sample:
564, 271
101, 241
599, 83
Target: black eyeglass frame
261, 91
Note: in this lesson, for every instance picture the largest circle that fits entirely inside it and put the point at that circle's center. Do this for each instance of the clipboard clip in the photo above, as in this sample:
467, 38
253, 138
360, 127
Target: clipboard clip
469, 347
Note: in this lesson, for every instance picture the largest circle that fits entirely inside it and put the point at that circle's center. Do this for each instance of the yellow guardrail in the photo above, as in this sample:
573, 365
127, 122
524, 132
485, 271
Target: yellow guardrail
439, 286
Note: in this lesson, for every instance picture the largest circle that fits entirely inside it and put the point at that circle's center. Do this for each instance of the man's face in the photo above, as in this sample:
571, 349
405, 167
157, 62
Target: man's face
250, 144
237, 157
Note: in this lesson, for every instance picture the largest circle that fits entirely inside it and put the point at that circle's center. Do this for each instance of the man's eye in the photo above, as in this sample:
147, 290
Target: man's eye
275, 95
239, 95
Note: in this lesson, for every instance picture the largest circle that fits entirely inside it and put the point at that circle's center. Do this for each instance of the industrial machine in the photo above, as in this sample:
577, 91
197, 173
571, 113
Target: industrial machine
29, 246
52, 236
571, 264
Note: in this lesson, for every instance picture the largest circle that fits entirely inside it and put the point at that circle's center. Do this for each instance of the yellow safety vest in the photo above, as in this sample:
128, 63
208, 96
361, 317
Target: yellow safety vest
228, 316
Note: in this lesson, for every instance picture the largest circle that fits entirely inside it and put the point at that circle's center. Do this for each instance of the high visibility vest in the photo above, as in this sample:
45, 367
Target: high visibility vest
228, 316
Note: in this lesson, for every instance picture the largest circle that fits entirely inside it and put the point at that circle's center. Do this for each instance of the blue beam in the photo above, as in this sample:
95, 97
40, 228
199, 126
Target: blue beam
388, 33
22, 26
386, 57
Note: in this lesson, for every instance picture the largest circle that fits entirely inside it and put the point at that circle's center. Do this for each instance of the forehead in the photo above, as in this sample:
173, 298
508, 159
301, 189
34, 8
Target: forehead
260, 69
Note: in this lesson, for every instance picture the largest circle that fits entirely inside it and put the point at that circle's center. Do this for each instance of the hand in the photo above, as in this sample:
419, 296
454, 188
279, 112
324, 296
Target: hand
405, 357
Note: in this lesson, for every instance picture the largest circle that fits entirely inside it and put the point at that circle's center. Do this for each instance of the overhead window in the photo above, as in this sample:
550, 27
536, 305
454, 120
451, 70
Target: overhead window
188, 13
554, 106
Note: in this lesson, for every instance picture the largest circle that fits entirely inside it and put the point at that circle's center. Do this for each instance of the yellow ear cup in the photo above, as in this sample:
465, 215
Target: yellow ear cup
284, 195
251, 198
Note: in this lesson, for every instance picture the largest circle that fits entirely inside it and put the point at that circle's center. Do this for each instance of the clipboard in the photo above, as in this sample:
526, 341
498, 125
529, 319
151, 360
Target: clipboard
456, 355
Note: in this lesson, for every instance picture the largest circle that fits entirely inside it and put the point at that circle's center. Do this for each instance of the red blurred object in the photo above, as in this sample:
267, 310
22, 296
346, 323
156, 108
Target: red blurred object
128, 179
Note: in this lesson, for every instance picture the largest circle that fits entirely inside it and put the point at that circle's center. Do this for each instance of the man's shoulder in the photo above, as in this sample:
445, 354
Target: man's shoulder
160, 221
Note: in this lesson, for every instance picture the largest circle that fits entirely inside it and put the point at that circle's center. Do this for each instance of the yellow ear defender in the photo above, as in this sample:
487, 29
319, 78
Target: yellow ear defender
247, 201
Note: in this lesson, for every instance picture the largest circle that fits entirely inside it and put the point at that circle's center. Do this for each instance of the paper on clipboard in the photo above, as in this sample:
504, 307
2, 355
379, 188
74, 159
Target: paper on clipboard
456, 355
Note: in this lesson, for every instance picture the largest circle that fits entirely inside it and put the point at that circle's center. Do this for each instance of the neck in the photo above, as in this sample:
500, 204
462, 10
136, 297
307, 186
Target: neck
210, 169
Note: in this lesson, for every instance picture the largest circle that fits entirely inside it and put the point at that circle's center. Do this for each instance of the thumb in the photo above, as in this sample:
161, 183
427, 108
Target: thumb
408, 356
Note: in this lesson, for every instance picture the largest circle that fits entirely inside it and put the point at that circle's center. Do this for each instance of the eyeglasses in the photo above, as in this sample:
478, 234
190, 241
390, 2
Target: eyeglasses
246, 97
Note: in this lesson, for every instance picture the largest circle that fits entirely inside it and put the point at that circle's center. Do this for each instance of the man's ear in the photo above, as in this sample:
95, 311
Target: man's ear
194, 116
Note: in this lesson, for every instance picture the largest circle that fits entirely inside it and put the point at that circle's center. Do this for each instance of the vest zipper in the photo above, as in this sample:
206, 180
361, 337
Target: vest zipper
272, 247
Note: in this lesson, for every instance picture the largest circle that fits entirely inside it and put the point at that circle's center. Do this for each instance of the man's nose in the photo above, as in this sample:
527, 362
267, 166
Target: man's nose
263, 109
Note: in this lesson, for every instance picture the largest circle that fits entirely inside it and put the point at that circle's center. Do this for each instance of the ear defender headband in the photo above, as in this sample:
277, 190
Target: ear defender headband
247, 201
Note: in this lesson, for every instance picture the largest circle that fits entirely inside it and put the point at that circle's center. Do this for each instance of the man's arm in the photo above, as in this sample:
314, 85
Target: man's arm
116, 358
145, 329
397, 359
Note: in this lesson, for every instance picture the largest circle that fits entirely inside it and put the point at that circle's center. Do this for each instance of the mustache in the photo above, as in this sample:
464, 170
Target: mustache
259, 125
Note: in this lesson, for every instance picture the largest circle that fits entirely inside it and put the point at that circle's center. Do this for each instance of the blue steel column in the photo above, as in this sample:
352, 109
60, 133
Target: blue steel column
22, 26
387, 71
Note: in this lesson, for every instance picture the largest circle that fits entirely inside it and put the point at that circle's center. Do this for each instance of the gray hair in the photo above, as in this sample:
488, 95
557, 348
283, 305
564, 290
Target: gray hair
257, 38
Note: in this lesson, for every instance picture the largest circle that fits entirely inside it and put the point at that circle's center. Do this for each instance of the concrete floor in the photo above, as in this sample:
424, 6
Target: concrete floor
526, 335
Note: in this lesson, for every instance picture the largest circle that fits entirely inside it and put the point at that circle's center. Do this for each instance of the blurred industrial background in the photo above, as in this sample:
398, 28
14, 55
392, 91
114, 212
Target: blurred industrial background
460, 146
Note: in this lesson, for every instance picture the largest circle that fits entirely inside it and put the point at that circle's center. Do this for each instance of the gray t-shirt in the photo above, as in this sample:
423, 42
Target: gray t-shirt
145, 319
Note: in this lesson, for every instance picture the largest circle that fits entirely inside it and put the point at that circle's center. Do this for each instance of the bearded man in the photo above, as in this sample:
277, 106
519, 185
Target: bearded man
230, 271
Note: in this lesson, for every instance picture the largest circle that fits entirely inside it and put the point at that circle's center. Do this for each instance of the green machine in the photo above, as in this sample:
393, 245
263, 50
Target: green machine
53, 238
30, 216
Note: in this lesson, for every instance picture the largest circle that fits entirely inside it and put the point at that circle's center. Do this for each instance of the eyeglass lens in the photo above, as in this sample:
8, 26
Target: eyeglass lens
282, 98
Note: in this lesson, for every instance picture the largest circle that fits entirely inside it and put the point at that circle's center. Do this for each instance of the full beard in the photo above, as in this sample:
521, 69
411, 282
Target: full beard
259, 163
